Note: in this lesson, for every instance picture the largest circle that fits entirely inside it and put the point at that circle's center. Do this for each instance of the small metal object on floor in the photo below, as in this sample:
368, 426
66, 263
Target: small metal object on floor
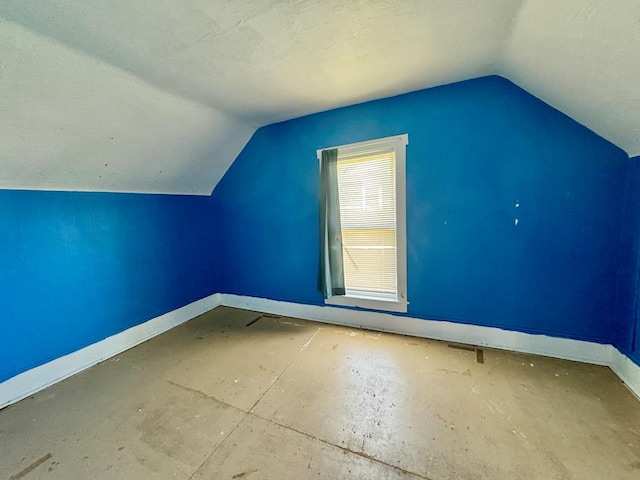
479, 352
266, 315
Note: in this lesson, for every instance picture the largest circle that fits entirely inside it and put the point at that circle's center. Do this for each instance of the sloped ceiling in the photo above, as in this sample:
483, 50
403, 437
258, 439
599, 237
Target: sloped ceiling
582, 57
161, 95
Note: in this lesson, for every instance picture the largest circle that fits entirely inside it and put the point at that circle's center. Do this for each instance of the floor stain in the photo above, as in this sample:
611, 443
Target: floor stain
244, 474
335, 346
287, 322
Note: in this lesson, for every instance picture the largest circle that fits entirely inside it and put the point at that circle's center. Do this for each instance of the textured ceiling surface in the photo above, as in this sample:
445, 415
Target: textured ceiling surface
161, 95
582, 57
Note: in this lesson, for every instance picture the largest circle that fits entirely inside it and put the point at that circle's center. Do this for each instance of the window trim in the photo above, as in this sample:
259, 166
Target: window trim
399, 144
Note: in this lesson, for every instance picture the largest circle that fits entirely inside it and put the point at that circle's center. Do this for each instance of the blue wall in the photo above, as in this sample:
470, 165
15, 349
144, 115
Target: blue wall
629, 272
78, 267
476, 149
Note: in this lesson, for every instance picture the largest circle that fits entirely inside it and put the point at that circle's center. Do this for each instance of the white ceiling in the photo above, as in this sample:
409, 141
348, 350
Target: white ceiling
161, 95
582, 57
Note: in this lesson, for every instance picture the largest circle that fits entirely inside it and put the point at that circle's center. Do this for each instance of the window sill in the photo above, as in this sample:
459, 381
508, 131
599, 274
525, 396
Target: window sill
371, 304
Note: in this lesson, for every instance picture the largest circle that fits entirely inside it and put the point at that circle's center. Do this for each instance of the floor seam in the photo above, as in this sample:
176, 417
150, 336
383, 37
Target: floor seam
204, 395
304, 347
201, 394
219, 445
344, 449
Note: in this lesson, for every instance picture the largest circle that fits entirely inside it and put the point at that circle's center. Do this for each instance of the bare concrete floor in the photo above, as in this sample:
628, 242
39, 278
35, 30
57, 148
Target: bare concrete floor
289, 399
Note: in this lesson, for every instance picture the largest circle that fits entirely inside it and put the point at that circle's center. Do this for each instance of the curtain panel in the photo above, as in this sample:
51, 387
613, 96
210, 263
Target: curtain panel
330, 263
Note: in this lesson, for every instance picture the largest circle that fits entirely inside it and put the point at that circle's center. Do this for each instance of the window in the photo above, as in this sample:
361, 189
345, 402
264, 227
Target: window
371, 191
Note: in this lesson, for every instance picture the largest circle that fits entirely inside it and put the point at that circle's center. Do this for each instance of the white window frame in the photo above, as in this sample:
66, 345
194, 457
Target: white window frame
399, 144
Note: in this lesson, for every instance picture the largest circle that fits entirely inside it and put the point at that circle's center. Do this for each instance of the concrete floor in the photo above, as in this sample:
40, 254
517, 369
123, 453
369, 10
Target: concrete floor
290, 399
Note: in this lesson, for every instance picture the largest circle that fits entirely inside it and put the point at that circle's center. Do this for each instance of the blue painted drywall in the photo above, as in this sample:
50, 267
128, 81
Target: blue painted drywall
628, 301
78, 267
476, 149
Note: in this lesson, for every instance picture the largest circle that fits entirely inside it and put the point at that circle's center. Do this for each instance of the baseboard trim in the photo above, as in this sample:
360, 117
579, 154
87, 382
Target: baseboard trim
564, 348
38, 378
627, 370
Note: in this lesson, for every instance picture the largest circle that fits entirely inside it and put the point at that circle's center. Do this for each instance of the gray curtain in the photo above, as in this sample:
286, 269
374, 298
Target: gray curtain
330, 266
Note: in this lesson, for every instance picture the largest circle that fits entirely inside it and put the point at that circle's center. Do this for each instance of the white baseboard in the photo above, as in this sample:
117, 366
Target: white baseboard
628, 371
564, 348
29, 382
36, 379
568, 349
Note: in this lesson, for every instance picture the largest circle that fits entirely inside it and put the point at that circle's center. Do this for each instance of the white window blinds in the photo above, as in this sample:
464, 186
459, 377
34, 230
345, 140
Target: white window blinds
367, 191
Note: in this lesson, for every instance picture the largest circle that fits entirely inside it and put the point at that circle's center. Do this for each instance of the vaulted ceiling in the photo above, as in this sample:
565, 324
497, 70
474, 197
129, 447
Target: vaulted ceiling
161, 95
